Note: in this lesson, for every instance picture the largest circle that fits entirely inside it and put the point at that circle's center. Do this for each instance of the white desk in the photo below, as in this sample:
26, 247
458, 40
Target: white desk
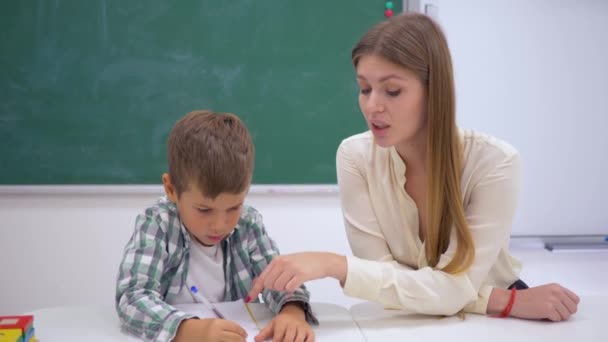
589, 324
584, 272
373, 324
97, 324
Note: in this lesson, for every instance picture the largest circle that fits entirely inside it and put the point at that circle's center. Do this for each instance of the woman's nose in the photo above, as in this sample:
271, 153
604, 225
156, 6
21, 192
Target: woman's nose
375, 103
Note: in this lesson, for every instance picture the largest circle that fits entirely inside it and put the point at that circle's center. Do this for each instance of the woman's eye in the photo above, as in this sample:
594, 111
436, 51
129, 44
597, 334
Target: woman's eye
366, 91
393, 93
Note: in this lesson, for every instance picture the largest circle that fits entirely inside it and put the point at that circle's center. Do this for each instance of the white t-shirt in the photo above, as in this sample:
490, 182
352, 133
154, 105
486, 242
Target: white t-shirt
206, 272
381, 219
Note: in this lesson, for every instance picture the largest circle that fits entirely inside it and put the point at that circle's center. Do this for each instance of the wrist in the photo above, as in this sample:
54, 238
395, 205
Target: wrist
296, 308
498, 301
497, 306
337, 267
183, 329
507, 310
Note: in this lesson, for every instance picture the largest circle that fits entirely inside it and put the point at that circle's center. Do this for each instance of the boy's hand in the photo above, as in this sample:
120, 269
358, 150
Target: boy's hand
197, 330
288, 326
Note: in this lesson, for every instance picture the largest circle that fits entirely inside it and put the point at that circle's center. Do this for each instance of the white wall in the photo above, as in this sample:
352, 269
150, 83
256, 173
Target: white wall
58, 250
534, 72
65, 249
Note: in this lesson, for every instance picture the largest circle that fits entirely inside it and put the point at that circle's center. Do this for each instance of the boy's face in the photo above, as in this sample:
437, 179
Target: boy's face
208, 220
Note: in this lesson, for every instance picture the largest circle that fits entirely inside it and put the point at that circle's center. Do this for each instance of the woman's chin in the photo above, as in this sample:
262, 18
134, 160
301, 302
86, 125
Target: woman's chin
383, 142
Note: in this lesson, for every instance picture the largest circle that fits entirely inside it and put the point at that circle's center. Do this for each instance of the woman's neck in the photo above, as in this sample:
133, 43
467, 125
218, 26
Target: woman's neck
413, 152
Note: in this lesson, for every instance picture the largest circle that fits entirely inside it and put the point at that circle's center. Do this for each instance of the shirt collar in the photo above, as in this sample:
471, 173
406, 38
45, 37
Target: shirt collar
397, 165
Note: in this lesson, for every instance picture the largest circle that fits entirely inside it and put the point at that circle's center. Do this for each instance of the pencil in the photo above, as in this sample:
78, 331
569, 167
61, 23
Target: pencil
252, 317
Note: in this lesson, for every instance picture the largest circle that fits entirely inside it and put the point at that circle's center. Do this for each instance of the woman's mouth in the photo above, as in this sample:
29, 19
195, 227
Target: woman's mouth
379, 129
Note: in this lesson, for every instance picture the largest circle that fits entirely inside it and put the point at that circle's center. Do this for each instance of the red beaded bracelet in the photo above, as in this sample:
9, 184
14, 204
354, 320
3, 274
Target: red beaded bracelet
507, 310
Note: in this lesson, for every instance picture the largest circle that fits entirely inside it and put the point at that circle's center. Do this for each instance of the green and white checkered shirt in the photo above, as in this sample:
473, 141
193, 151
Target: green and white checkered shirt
155, 265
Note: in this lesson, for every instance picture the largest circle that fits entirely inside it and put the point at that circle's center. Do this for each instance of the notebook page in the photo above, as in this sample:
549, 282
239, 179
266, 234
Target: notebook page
233, 311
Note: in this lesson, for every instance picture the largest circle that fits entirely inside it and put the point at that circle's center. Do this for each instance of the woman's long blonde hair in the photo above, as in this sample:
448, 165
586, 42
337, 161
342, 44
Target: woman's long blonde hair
418, 44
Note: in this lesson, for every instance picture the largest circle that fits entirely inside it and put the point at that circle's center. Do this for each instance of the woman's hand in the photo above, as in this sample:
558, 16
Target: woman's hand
289, 272
552, 301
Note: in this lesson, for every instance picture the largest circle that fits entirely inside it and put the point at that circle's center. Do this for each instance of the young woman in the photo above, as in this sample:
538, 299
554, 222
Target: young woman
428, 207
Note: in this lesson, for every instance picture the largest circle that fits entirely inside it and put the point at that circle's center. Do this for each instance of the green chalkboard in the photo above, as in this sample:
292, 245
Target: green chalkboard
90, 89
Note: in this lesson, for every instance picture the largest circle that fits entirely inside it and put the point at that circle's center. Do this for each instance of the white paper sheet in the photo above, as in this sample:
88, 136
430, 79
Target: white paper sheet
233, 311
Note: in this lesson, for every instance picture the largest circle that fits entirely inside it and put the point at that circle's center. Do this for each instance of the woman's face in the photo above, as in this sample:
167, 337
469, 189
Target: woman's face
392, 100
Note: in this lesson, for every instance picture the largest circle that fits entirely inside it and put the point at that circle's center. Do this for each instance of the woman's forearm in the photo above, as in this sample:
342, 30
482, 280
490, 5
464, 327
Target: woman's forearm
337, 267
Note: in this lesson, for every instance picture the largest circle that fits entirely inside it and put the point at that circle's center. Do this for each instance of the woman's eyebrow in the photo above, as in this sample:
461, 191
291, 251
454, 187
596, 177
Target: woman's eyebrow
385, 78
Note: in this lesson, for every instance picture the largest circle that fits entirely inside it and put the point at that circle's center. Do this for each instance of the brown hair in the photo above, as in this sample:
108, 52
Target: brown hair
416, 43
210, 150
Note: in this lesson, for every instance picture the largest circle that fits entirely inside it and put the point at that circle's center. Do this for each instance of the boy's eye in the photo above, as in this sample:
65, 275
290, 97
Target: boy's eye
234, 208
366, 91
393, 93
204, 210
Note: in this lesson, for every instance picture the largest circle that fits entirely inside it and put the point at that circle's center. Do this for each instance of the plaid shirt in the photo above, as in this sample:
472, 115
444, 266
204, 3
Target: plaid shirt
155, 265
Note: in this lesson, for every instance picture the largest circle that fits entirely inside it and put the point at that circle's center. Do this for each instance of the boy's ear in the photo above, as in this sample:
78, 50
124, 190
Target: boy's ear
169, 188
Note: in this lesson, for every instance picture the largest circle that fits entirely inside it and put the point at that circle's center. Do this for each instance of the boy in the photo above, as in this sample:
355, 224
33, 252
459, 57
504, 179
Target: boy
201, 234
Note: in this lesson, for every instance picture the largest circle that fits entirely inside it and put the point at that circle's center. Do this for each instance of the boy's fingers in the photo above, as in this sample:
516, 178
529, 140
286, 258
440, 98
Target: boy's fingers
279, 333
232, 337
290, 334
265, 333
235, 328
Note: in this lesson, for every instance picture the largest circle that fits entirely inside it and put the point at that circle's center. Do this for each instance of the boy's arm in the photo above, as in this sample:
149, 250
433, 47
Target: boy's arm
139, 303
262, 250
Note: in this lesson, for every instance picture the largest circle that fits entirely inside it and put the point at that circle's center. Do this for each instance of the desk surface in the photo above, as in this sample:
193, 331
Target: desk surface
97, 324
373, 324
589, 324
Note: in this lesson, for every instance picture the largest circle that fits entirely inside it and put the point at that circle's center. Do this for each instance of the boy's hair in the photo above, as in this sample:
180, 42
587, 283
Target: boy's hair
210, 150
